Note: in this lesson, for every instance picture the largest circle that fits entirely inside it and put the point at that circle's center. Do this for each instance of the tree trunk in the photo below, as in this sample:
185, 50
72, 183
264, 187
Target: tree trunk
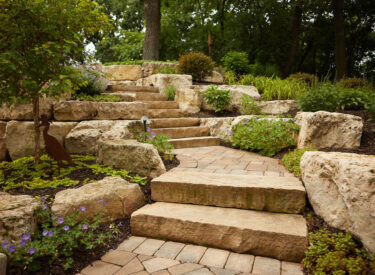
36, 129
152, 37
297, 19
340, 54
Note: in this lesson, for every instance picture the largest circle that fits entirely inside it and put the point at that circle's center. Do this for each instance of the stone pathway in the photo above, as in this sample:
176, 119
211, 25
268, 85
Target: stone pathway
141, 256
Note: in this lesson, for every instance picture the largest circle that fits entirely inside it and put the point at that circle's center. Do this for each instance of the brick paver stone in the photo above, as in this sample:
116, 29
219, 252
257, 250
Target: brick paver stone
131, 243
266, 266
143, 258
141, 273
240, 262
288, 268
118, 257
161, 272
191, 254
202, 271
272, 173
149, 247
169, 250
215, 258
157, 264
183, 268
133, 266
100, 268
220, 271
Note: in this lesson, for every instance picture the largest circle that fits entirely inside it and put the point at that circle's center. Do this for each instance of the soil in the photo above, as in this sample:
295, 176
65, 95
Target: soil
207, 114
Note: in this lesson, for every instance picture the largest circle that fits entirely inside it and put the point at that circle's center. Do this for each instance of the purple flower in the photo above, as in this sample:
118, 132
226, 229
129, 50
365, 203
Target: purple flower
85, 226
26, 236
120, 224
5, 245
66, 227
250, 129
134, 122
99, 201
148, 129
60, 220
50, 234
256, 118
45, 206
293, 119
45, 232
285, 119
82, 208
31, 250
12, 248
22, 243
42, 199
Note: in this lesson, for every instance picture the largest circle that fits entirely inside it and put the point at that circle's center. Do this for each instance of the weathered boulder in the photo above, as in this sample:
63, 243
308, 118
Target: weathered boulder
216, 77
3, 264
90, 110
20, 136
20, 111
162, 81
151, 68
123, 72
276, 107
117, 197
189, 100
17, 216
3, 147
218, 125
140, 158
341, 189
329, 130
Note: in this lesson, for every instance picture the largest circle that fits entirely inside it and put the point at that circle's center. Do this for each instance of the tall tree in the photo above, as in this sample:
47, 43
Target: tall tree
340, 52
152, 37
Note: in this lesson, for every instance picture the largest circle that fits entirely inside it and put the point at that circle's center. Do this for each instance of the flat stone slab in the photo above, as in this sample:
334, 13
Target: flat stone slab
268, 193
281, 236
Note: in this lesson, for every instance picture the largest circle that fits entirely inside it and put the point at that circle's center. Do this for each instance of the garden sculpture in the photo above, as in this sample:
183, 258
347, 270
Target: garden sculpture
53, 147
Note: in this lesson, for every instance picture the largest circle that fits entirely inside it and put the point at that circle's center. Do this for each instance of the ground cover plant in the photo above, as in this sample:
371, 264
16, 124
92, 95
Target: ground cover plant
292, 161
264, 136
249, 106
170, 92
98, 98
217, 98
166, 70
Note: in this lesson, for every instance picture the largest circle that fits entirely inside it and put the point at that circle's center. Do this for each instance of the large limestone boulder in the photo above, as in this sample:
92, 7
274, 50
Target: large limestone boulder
151, 68
140, 158
123, 72
20, 111
216, 77
3, 147
162, 81
218, 125
329, 130
17, 216
276, 107
117, 197
20, 136
89, 110
341, 189
189, 100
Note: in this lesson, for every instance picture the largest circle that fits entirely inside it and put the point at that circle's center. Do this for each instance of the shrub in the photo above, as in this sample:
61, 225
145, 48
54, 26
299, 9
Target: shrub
292, 161
236, 62
353, 82
196, 64
264, 136
219, 99
230, 78
324, 97
353, 99
166, 70
93, 82
170, 92
336, 253
309, 79
249, 106
268, 70
98, 98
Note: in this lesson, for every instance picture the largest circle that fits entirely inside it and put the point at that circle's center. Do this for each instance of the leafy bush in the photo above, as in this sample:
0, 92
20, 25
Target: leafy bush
292, 161
268, 70
93, 82
196, 64
97, 98
170, 92
249, 106
166, 70
264, 136
353, 83
353, 99
219, 99
336, 253
309, 79
56, 238
324, 97
230, 78
236, 62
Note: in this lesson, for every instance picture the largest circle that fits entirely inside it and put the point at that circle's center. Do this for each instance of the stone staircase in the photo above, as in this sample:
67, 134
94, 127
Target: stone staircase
167, 117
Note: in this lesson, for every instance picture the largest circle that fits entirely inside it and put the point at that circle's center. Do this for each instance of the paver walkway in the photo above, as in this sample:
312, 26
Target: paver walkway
142, 256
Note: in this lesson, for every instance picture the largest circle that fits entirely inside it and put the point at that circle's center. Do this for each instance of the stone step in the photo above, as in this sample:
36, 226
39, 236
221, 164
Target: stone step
124, 96
194, 142
162, 104
141, 96
183, 132
174, 122
275, 194
165, 113
128, 88
276, 235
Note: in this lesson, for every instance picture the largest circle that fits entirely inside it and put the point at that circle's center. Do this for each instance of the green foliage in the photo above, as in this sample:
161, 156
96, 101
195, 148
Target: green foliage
23, 173
93, 82
264, 136
98, 98
170, 92
230, 78
336, 253
268, 70
249, 106
236, 62
323, 97
309, 79
353, 99
292, 161
353, 82
196, 64
135, 62
56, 238
166, 70
219, 99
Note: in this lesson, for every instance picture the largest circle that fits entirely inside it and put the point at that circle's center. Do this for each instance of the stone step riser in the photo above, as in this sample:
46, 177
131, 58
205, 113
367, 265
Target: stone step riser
165, 113
127, 88
174, 122
280, 236
274, 194
141, 96
162, 105
194, 142
183, 132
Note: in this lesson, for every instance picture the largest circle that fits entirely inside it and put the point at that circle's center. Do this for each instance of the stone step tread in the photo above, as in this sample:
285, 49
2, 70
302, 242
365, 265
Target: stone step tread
174, 122
183, 132
282, 236
130, 88
124, 96
191, 142
165, 113
162, 104
276, 194
141, 96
